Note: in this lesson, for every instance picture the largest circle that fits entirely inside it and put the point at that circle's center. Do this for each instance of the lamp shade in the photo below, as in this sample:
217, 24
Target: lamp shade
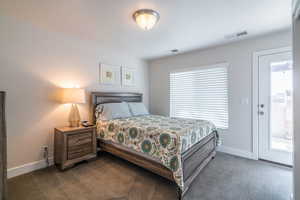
73, 95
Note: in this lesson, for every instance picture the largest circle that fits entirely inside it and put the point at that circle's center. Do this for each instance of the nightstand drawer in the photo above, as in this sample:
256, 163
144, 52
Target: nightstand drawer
79, 151
79, 139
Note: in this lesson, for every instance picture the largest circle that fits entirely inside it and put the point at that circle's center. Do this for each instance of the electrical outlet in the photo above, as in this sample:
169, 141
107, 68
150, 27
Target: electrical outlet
45, 151
44, 147
46, 154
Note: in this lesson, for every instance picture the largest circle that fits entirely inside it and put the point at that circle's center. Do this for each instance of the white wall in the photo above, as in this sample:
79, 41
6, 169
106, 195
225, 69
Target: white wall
296, 49
238, 138
33, 64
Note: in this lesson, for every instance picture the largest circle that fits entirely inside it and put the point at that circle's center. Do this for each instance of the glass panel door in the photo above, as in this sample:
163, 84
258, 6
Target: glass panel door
276, 107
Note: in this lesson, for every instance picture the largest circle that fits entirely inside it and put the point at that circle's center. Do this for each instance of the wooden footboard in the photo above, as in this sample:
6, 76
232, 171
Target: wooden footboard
193, 160
196, 158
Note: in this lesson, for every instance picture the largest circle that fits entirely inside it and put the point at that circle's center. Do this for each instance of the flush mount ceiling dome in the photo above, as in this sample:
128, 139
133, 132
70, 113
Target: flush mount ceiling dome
146, 18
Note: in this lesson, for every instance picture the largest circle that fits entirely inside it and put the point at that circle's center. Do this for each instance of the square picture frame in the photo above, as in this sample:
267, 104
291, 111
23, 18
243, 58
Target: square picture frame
110, 74
128, 77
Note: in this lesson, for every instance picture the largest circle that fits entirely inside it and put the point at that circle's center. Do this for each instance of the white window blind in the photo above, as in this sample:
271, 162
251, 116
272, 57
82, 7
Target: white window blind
200, 93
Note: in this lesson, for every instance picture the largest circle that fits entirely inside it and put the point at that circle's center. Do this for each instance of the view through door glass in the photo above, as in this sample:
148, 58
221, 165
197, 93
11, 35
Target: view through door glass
282, 106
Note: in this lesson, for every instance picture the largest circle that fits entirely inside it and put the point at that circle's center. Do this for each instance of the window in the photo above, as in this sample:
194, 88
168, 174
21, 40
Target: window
200, 93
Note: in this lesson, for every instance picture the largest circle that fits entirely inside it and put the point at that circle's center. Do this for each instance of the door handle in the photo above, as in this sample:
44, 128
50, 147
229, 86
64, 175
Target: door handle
261, 112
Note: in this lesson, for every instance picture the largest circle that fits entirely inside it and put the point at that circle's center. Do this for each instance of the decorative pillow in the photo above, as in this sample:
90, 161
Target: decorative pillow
137, 109
109, 111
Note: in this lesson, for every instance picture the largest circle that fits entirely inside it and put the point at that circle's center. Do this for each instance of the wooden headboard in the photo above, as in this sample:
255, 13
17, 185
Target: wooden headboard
113, 97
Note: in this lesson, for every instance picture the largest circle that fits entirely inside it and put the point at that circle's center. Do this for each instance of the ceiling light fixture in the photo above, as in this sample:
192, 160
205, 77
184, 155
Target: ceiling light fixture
146, 18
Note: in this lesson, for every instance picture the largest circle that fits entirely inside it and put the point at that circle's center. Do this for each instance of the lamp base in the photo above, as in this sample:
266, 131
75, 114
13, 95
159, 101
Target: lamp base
74, 117
74, 124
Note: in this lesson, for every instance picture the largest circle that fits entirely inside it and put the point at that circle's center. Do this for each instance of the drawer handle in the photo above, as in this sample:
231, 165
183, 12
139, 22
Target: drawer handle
82, 139
79, 151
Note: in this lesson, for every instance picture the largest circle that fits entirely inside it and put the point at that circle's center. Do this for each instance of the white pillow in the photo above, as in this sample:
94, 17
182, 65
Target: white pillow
109, 111
137, 109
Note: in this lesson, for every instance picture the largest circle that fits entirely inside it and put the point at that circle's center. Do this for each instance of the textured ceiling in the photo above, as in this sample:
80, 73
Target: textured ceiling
185, 24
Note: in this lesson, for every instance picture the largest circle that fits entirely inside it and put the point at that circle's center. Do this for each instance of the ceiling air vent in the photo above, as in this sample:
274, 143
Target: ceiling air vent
174, 51
236, 35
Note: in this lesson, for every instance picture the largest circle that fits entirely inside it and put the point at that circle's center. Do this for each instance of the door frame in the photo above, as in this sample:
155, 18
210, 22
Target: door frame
255, 94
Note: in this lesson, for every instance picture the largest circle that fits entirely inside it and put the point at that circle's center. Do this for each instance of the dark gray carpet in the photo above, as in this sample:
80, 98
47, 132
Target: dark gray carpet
234, 178
107, 178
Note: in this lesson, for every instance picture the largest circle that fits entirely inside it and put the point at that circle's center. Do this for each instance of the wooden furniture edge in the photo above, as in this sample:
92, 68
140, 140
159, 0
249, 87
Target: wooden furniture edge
3, 146
115, 97
198, 171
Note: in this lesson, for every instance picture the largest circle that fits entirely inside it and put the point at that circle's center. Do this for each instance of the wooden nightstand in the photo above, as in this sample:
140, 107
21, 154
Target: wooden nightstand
72, 145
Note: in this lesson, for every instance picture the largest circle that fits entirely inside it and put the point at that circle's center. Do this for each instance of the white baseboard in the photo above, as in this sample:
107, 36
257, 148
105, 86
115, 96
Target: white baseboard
29, 167
237, 152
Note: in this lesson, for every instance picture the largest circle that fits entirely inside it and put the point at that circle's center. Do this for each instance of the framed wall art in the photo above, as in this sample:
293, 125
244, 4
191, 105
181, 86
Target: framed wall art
110, 75
128, 76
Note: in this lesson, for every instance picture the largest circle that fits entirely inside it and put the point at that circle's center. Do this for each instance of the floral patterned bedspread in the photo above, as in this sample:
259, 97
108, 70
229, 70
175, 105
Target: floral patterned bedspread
162, 138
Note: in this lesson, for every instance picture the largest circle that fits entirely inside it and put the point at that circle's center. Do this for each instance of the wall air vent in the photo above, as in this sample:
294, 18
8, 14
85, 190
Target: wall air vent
236, 35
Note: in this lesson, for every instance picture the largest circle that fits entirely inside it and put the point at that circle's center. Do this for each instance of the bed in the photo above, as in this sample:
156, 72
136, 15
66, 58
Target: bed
176, 149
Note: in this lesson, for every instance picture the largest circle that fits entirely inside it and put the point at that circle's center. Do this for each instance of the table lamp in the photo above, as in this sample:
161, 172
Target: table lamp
74, 96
